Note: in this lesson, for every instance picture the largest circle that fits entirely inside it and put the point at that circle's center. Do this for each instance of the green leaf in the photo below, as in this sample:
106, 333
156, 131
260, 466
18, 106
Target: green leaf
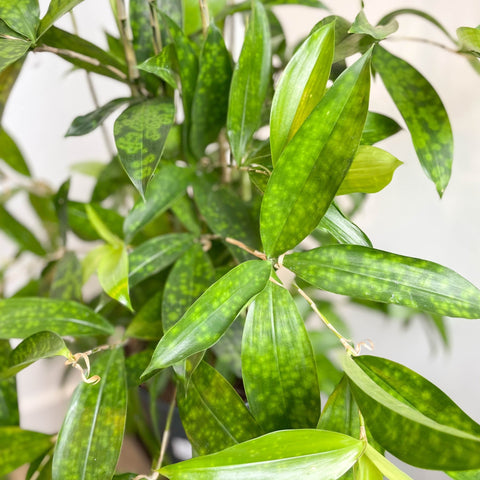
186, 213
156, 254
365, 469
67, 281
371, 170
56, 10
386, 277
140, 22
191, 275
210, 316
423, 112
378, 127
210, 100
35, 347
362, 25
11, 155
166, 185
192, 21
341, 228
11, 50
411, 417
469, 39
162, 65
8, 390
387, 468
250, 81
7, 80
147, 323
301, 87
20, 446
314, 163
21, 317
89, 441
140, 134
90, 121
465, 475
212, 413
100, 227
306, 454
278, 366
23, 16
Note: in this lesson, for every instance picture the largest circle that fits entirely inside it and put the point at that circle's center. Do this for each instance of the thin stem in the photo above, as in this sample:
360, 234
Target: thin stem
363, 430
157, 38
241, 245
425, 40
223, 154
165, 437
205, 16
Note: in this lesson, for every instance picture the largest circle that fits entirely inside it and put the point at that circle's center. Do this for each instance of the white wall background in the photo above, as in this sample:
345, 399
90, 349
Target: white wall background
407, 217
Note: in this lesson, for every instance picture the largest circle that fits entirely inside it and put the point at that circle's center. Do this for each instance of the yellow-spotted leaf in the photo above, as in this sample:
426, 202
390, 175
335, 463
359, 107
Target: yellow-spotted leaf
22, 16
8, 390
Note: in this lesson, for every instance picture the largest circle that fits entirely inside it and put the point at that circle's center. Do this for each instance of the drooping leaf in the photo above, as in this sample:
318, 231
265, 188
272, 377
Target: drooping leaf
8, 390
314, 163
210, 100
90, 121
306, 454
67, 281
423, 112
89, 441
162, 65
249, 83
56, 10
411, 417
11, 50
213, 414
386, 277
24, 316
469, 39
140, 134
301, 87
20, 446
363, 26
278, 366
23, 16
208, 318
378, 127
156, 254
11, 155
7, 80
387, 468
147, 323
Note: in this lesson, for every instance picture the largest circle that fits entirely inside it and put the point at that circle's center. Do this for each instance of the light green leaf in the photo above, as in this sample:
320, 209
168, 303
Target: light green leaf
250, 81
278, 366
306, 454
67, 280
21, 317
365, 469
212, 413
386, 277
7, 80
210, 101
20, 446
465, 475
210, 316
387, 468
11, 50
314, 163
411, 417
162, 65
11, 155
8, 390
378, 127
192, 21
23, 16
147, 323
423, 112
101, 228
56, 10
89, 441
469, 39
156, 254
362, 25
140, 134
301, 87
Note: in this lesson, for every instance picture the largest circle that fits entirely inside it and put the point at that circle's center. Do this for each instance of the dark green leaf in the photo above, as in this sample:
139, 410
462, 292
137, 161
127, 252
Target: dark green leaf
67, 280
362, 25
11, 50
56, 10
423, 112
156, 254
213, 414
301, 87
21, 317
162, 65
378, 127
210, 101
11, 155
23, 16
314, 163
8, 390
249, 83
89, 441
185, 211
139, 11
306, 454
147, 323
411, 417
112, 181
44, 206
89, 122
386, 277
7, 80
469, 39
278, 366
208, 318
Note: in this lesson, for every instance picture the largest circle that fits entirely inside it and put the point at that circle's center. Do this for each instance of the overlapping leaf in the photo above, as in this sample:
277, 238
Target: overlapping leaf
7, 79
147, 323
23, 16
363, 26
378, 127
67, 281
56, 10
469, 39
387, 468
11, 50
161, 65
8, 390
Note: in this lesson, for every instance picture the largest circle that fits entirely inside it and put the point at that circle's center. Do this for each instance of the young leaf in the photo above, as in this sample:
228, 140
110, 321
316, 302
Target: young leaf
56, 10
386, 277
140, 134
249, 83
67, 280
100, 227
314, 163
378, 127
11, 155
89, 441
210, 101
411, 417
306, 454
212, 413
362, 25
208, 318
161, 65
387, 468
21, 317
8, 390
469, 39
278, 366
423, 112
301, 87
365, 469
23, 16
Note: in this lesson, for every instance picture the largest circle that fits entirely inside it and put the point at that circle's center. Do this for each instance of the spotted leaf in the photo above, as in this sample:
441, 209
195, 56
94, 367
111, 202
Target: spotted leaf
23, 16
9, 414
378, 127
11, 50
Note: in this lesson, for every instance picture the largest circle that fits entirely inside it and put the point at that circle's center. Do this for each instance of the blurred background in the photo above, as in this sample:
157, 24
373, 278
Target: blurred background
407, 217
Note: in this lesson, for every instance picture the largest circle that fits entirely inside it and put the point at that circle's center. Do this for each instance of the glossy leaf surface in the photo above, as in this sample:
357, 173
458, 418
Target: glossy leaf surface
161, 65
21, 16
249, 83
387, 468
378, 127
386, 277
56, 10
94, 425
213, 414
308, 454
411, 417
208, 318
278, 366
140, 134
9, 414
314, 163
423, 112
21, 317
